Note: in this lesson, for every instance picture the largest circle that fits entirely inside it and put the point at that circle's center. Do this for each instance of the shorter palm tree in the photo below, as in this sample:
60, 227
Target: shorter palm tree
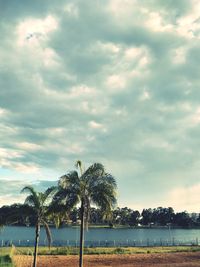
39, 202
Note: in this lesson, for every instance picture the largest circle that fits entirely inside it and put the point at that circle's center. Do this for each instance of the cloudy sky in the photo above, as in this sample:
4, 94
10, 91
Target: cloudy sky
110, 81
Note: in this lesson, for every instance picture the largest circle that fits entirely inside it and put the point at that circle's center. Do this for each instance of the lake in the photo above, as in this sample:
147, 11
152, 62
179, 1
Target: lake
20, 235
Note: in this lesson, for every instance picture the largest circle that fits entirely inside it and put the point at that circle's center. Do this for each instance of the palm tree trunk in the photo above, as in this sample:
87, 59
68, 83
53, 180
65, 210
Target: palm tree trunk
81, 235
37, 234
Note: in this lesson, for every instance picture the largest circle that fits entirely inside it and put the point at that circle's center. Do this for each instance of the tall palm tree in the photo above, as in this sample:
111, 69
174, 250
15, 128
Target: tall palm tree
93, 186
39, 202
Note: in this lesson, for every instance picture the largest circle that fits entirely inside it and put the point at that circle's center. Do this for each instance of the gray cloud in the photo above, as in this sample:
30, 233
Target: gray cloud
92, 81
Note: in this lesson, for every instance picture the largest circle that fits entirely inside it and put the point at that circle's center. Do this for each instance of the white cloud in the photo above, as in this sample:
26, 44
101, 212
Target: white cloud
188, 25
72, 10
29, 168
133, 52
145, 96
179, 55
96, 125
28, 146
193, 117
32, 31
75, 148
155, 22
9, 199
82, 90
9, 153
109, 47
115, 83
3, 112
120, 8
185, 198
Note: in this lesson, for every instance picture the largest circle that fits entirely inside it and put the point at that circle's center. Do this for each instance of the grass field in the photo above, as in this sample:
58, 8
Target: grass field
5, 261
5, 257
20, 253
6, 253
99, 251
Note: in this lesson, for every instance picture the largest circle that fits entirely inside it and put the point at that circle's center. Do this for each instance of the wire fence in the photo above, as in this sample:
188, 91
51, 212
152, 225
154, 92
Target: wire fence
104, 243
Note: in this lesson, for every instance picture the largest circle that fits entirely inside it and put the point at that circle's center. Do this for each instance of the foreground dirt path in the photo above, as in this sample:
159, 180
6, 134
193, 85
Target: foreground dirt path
191, 259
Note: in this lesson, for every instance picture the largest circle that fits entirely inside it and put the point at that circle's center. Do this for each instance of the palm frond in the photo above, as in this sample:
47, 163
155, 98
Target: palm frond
34, 199
67, 198
48, 194
29, 200
104, 196
106, 179
59, 216
50, 191
109, 179
107, 214
94, 171
79, 165
48, 233
69, 179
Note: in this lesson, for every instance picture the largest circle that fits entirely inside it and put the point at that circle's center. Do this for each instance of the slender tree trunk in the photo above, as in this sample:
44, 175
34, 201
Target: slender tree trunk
37, 234
81, 235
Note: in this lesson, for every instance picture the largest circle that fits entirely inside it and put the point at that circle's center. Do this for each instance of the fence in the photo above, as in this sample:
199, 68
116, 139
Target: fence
104, 243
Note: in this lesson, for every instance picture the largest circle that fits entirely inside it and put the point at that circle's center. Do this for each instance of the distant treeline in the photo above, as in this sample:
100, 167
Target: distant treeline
19, 214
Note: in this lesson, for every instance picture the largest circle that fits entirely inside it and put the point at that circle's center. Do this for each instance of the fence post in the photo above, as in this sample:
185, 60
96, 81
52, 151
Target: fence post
197, 241
2, 242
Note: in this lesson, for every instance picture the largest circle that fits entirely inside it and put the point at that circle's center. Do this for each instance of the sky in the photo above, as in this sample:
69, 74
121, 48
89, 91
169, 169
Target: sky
110, 81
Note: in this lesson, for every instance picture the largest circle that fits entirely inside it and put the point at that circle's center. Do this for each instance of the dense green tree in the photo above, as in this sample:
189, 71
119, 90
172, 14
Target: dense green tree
20, 214
16, 214
147, 215
162, 216
74, 215
93, 186
126, 216
182, 219
134, 218
96, 216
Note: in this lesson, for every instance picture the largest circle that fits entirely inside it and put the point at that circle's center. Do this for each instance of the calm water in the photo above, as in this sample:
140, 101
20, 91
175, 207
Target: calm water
70, 235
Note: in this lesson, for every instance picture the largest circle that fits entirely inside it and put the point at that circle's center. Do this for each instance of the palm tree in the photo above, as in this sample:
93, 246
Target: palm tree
93, 186
39, 201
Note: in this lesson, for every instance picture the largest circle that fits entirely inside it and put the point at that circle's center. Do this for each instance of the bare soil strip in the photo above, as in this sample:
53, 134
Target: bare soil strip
191, 259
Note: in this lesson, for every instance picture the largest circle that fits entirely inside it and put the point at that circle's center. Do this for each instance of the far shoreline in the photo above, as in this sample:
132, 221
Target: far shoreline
104, 226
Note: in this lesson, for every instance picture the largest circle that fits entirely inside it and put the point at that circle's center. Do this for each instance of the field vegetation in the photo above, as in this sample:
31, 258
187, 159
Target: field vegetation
6, 257
97, 251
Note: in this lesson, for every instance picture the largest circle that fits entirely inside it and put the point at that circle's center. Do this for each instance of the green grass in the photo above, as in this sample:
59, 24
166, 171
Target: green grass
97, 251
6, 257
5, 261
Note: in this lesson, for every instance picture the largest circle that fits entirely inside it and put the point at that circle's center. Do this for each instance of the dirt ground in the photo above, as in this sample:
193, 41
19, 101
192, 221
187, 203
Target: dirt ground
182, 259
